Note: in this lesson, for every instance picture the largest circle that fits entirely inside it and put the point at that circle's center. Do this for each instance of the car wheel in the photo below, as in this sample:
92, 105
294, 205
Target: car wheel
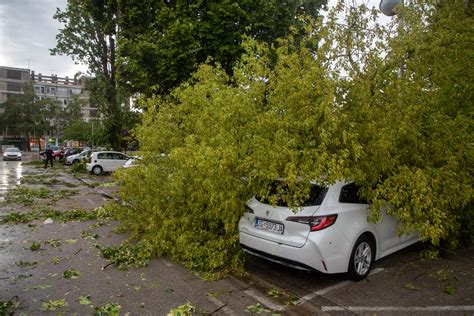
362, 258
97, 170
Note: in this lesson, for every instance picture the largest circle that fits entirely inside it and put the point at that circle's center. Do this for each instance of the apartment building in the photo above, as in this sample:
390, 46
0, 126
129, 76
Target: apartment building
60, 89
11, 80
63, 90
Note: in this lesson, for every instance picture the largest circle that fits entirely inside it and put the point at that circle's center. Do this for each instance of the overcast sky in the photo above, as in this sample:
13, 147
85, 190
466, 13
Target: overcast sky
28, 31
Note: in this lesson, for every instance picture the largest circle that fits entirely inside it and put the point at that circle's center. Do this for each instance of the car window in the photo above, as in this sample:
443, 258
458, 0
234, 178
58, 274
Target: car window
350, 194
103, 156
12, 149
116, 156
316, 194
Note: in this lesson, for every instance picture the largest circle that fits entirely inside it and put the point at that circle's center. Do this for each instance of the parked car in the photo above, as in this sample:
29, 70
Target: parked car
132, 162
82, 156
11, 153
69, 152
328, 233
56, 151
105, 161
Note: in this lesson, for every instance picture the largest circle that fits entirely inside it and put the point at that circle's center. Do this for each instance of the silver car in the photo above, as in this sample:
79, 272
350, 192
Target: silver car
77, 158
12, 153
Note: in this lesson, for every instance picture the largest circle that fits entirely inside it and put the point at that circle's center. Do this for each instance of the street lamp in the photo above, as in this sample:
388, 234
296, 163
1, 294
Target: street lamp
387, 7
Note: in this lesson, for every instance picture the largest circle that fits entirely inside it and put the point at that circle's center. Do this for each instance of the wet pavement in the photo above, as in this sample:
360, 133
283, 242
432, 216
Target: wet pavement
34, 279
10, 174
400, 284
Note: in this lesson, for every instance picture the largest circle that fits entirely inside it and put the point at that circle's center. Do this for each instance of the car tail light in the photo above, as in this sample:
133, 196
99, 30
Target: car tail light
248, 209
315, 222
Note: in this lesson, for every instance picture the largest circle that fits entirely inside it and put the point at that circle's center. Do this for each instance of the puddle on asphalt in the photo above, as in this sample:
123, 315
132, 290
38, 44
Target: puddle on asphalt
10, 175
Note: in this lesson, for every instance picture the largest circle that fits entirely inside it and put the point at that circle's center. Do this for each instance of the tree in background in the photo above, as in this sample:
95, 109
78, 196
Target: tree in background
161, 42
91, 132
89, 36
23, 114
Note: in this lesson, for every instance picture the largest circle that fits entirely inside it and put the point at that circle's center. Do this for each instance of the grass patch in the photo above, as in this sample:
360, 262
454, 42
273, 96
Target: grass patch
63, 216
28, 196
44, 179
37, 163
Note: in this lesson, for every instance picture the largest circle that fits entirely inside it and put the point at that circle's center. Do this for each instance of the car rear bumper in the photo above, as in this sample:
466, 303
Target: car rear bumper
307, 257
326, 251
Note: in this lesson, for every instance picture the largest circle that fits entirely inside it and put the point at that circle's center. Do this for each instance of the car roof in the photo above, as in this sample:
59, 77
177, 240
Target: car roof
108, 151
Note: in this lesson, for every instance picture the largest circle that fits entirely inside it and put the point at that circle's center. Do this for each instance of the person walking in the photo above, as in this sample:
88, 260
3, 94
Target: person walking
48, 155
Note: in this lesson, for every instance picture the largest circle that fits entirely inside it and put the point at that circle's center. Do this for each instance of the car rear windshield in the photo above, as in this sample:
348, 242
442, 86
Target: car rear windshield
316, 195
12, 149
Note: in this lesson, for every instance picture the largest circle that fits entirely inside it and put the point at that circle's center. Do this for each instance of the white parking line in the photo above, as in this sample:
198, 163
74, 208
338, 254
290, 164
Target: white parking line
397, 308
265, 301
218, 303
328, 289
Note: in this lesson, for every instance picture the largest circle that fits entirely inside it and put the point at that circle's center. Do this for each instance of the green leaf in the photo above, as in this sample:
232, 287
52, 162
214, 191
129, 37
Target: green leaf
71, 274
53, 305
108, 309
257, 309
85, 300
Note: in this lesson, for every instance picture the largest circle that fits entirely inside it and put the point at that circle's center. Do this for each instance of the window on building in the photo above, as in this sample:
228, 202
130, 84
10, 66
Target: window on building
62, 91
48, 89
14, 74
42, 89
65, 101
53, 90
13, 86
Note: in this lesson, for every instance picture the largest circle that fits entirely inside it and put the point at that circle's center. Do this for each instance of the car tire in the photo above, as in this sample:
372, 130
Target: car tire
362, 258
97, 170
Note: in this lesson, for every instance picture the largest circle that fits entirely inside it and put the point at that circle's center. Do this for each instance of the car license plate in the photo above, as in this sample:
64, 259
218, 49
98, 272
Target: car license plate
270, 226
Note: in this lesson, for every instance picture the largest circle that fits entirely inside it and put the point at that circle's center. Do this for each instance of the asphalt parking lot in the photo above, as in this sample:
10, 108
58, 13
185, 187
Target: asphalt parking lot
400, 284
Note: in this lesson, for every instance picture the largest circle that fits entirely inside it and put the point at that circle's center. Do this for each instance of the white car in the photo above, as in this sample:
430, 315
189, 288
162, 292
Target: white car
132, 162
329, 233
11, 153
105, 161
82, 156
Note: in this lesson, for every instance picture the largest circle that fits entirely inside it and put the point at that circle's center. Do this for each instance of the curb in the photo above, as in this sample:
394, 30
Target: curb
100, 191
